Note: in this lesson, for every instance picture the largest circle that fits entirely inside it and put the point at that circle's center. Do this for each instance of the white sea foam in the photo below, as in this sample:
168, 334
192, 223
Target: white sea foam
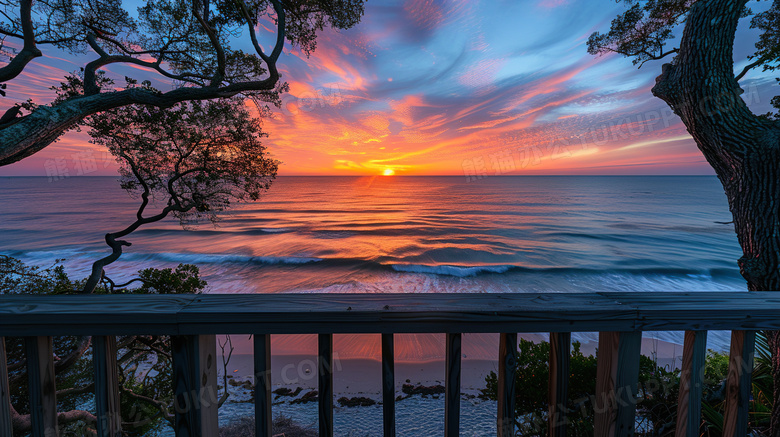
460, 271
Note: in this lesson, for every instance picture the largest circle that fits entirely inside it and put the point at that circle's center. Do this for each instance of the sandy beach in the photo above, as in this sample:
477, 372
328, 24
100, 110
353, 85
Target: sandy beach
357, 373
419, 360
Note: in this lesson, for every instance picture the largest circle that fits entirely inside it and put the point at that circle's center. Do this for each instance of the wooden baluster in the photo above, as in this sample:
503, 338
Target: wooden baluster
325, 387
5, 394
196, 399
735, 418
106, 386
558, 389
452, 386
507, 360
616, 383
263, 418
388, 385
43, 391
691, 384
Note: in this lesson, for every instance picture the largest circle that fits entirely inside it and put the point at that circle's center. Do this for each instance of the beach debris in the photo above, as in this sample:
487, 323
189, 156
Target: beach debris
305, 399
358, 401
247, 385
410, 390
284, 391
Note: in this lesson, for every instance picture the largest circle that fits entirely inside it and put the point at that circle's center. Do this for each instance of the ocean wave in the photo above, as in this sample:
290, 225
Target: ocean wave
275, 230
44, 256
197, 258
449, 270
387, 264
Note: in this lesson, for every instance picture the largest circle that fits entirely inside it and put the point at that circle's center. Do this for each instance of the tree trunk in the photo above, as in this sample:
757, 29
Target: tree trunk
34, 132
743, 149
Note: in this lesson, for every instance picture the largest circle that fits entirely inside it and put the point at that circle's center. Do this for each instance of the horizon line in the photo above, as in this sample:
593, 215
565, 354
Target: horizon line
411, 176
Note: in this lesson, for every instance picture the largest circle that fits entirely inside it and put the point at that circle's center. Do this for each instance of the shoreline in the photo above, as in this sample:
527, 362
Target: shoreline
359, 380
357, 375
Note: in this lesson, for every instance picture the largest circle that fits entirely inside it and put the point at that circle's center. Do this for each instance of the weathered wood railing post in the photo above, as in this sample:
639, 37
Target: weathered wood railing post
616, 383
195, 385
325, 384
558, 389
43, 391
263, 416
388, 385
691, 384
452, 385
6, 428
507, 360
106, 386
621, 317
738, 385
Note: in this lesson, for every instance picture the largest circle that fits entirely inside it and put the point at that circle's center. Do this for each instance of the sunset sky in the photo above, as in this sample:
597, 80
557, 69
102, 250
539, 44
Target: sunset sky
448, 88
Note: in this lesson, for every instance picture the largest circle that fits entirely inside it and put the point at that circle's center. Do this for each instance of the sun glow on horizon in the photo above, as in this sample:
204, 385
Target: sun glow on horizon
388, 172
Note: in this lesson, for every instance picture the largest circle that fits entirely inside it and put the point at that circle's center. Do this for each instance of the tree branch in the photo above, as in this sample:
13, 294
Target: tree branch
23, 423
162, 407
221, 59
225, 362
749, 67
89, 388
44, 125
90, 70
29, 51
74, 355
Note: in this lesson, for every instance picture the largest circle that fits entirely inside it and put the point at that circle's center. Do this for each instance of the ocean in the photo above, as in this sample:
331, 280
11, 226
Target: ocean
402, 234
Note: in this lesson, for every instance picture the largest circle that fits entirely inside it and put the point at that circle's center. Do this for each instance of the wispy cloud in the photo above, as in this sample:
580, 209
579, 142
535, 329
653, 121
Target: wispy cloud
428, 87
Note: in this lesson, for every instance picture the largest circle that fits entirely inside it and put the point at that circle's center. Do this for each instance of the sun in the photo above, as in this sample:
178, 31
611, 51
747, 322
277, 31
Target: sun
388, 172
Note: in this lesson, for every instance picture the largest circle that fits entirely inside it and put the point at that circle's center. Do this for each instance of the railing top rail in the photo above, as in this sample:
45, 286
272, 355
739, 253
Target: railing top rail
29, 315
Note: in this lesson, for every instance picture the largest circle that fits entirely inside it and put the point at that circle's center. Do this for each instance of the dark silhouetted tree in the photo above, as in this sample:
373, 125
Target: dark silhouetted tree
702, 88
195, 158
190, 42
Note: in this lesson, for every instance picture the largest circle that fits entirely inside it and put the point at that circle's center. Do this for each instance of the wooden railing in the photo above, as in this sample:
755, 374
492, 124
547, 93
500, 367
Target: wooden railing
194, 320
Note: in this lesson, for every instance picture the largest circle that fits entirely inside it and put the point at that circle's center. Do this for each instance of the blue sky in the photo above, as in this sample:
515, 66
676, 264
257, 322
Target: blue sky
453, 87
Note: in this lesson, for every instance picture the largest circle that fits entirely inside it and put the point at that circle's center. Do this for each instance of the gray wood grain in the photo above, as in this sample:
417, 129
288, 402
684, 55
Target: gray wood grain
388, 385
606, 373
41, 386
616, 383
558, 388
452, 385
325, 384
184, 316
263, 417
627, 382
691, 384
384, 313
735, 416
195, 385
507, 361
5, 394
106, 386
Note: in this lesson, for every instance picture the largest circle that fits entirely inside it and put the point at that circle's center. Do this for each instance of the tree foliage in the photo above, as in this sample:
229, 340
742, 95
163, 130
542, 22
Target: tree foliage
206, 49
701, 86
145, 378
658, 389
532, 374
195, 159
646, 29
642, 31
197, 156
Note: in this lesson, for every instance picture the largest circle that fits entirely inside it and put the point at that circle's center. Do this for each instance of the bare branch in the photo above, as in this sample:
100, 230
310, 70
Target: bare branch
220, 51
749, 67
159, 405
225, 362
